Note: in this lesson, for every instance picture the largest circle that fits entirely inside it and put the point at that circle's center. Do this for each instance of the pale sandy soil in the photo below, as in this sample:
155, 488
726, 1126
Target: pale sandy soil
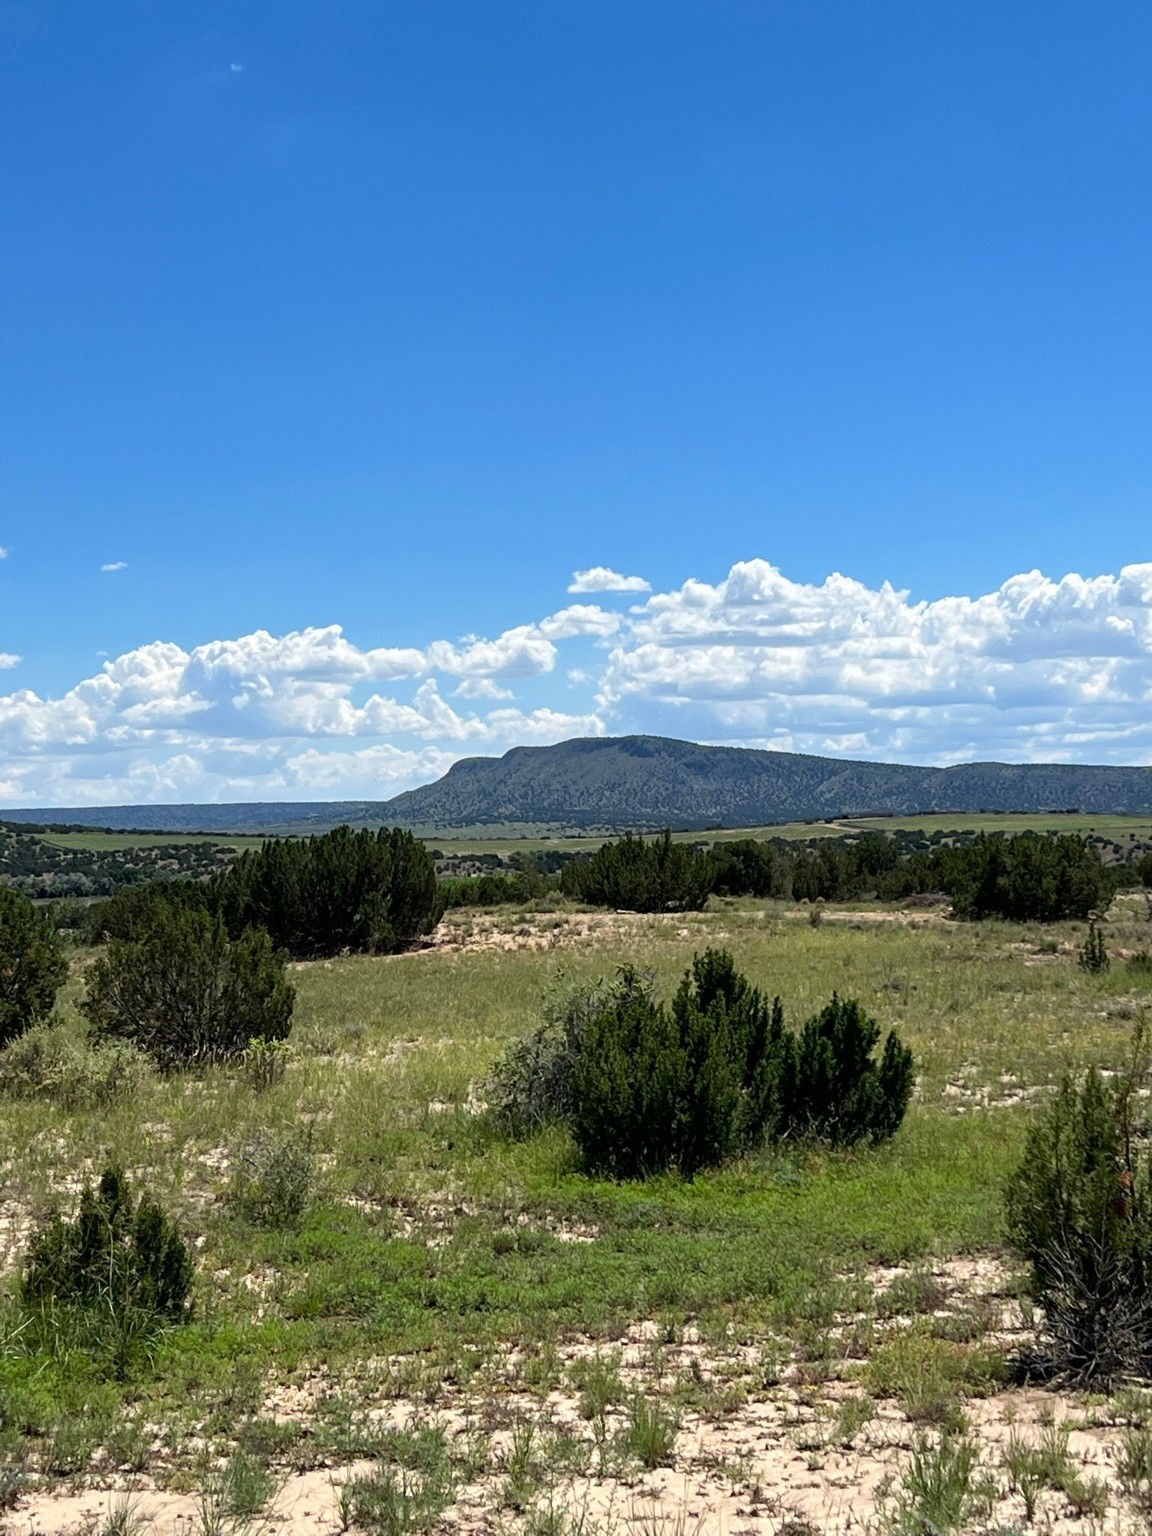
773, 1455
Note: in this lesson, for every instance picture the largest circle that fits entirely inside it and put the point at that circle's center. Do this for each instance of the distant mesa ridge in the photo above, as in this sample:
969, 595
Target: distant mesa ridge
646, 782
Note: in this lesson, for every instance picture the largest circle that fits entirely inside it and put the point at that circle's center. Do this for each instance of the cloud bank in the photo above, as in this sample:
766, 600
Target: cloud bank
1039, 670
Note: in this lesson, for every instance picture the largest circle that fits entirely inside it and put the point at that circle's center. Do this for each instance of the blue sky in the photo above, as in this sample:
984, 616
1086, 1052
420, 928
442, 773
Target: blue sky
392, 317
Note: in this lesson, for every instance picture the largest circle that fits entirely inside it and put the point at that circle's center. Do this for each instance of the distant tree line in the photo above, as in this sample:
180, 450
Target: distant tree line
195, 971
49, 871
343, 891
1026, 877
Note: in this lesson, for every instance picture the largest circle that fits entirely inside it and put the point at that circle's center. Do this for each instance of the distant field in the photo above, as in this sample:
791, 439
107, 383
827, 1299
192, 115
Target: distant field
103, 841
488, 840
1118, 828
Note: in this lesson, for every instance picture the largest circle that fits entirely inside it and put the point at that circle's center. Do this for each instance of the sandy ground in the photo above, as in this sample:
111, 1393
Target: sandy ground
781, 1460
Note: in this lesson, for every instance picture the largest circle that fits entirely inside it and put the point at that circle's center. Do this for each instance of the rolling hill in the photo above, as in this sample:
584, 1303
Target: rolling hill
644, 782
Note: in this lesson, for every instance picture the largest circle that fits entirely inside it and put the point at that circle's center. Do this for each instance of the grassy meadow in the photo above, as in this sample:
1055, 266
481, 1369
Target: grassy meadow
1121, 829
442, 1281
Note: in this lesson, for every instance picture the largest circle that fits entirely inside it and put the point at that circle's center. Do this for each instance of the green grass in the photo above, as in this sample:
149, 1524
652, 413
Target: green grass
1116, 828
508, 840
103, 841
431, 1245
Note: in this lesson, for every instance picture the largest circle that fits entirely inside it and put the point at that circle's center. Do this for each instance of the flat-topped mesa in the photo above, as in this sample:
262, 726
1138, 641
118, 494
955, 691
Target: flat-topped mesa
648, 782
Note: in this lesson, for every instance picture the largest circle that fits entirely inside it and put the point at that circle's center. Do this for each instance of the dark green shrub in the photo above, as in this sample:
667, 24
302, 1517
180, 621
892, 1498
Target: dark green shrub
118, 1254
1079, 1210
32, 965
1093, 955
647, 1087
745, 867
359, 891
188, 994
1028, 878
130, 912
837, 1092
630, 1084
641, 875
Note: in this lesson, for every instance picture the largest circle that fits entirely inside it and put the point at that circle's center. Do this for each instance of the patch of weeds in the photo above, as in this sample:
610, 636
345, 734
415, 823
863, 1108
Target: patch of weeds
929, 1376
264, 1063
396, 1500
1033, 1468
128, 1444
649, 1436
53, 1063
542, 1370
68, 1450
1132, 1405
852, 1414
1134, 1465
1087, 1497
521, 1467
567, 1455
941, 1491
266, 1439
13, 1476
598, 1382
274, 1178
246, 1486
653, 1521
969, 1325
912, 1295
550, 1517
122, 1518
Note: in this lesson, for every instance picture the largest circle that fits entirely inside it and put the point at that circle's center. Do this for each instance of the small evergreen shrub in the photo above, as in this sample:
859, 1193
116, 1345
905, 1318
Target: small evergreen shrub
1093, 955
1079, 1210
32, 965
118, 1254
837, 1092
186, 993
647, 1087
50, 1062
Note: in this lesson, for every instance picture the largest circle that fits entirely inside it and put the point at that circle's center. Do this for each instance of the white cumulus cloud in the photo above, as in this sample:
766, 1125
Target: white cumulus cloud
1042, 668
758, 657
115, 565
601, 578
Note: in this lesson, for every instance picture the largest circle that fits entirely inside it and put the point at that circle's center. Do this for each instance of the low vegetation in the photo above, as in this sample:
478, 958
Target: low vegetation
646, 1087
32, 965
186, 993
1079, 1210
580, 1203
